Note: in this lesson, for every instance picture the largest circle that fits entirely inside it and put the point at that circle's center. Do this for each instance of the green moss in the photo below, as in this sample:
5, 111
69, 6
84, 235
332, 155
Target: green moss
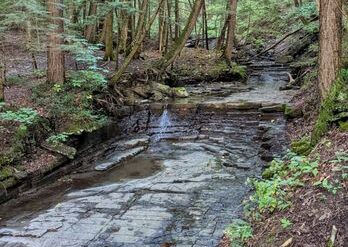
302, 146
344, 125
292, 112
180, 92
5, 172
331, 107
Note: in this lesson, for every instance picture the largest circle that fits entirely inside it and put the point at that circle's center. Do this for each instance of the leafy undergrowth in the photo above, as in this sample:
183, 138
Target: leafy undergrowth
300, 201
51, 113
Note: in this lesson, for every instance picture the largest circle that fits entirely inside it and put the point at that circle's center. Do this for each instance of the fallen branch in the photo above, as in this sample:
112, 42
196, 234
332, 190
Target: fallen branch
284, 38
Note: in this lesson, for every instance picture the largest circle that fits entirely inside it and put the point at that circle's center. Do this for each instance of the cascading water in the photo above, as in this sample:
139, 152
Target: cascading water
164, 123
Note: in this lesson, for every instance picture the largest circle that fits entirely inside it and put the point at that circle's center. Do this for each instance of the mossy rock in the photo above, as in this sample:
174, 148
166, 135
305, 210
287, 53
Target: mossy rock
285, 59
180, 92
8, 183
60, 148
302, 146
5, 173
344, 126
292, 112
164, 89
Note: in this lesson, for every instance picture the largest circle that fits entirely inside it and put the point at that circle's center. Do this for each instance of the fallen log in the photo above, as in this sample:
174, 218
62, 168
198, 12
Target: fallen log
284, 38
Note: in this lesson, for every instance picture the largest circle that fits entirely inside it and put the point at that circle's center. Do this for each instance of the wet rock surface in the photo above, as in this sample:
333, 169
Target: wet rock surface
207, 151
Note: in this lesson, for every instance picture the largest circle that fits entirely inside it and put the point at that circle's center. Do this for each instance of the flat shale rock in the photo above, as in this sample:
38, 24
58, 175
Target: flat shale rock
117, 157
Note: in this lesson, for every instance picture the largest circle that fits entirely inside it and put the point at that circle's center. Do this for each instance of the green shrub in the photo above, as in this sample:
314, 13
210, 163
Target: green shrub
88, 80
58, 138
39, 73
15, 80
239, 232
286, 223
26, 116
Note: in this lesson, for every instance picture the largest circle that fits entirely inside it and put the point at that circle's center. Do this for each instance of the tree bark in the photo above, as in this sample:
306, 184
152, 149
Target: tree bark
177, 20
205, 24
231, 30
222, 37
169, 58
161, 26
2, 82
123, 29
109, 47
330, 42
91, 28
55, 55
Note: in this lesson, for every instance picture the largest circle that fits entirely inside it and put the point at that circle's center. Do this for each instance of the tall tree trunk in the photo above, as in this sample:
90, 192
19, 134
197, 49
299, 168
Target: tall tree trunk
124, 29
170, 57
29, 44
161, 29
222, 37
330, 43
2, 82
205, 24
91, 28
170, 22
177, 20
109, 46
231, 30
55, 55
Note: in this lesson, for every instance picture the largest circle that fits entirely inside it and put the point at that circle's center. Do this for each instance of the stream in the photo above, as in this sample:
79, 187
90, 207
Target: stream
177, 179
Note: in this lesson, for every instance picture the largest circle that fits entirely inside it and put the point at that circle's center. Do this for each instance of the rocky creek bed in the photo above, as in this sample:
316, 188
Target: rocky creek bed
177, 178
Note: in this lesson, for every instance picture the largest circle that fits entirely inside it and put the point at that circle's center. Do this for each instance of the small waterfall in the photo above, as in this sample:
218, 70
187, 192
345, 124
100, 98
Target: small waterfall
164, 123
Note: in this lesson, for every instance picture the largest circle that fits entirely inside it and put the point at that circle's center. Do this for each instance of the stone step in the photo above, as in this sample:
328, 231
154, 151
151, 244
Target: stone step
118, 157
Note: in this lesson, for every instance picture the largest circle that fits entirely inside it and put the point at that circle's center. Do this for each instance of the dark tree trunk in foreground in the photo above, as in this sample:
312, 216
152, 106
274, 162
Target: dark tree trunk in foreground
232, 8
330, 43
55, 55
170, 57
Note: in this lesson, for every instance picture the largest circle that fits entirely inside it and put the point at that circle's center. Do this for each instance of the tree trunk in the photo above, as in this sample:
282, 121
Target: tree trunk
221, 39
169, 58
161, 29
91, 28
109, 47
177, 20
55, 55
123, 29
231, 30
2, 82
330, 43
205, 24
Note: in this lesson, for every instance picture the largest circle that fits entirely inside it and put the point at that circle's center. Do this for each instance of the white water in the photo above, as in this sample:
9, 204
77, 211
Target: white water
164, 123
